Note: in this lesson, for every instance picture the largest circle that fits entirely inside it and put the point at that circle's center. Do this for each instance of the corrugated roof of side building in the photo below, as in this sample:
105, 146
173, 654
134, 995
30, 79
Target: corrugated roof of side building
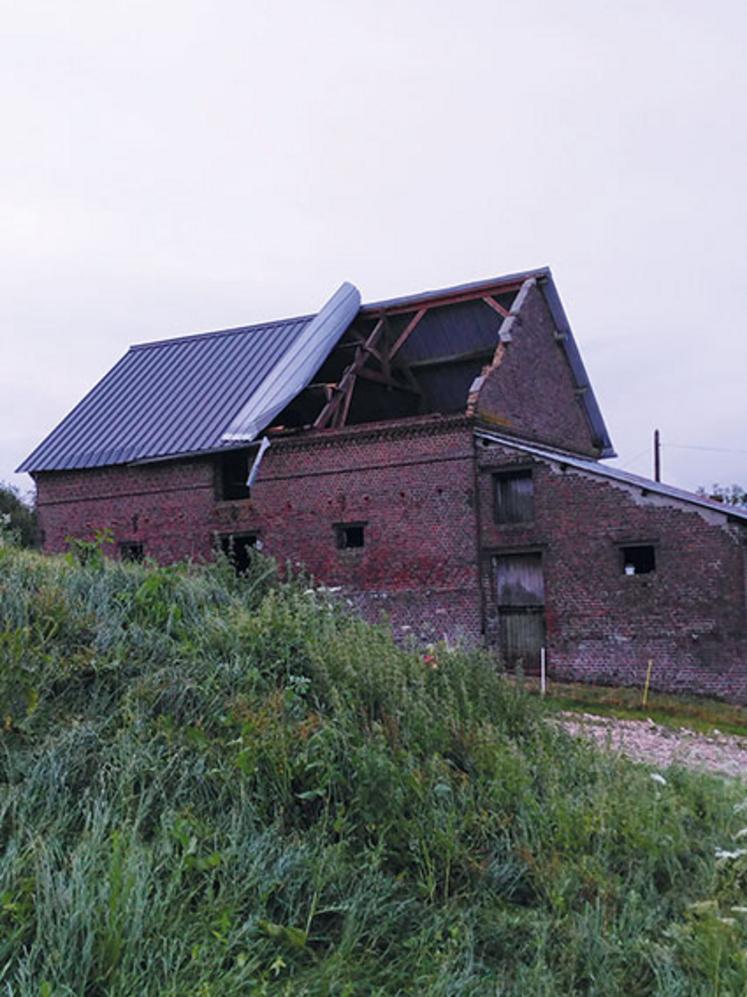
614, 473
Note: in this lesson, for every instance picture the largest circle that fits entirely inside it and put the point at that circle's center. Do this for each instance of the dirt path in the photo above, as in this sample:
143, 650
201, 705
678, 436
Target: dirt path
645, 741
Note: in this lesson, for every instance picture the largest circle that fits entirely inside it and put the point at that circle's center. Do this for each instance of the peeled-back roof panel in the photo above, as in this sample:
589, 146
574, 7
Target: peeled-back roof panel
183, 396
295, 368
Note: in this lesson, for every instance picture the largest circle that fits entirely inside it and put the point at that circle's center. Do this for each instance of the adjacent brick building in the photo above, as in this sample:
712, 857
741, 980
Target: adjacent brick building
439, 457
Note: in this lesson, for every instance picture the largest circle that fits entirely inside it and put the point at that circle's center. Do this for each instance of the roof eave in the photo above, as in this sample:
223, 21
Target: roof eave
573, 356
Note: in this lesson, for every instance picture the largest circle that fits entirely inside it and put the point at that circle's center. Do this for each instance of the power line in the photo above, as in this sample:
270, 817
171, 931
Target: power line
683, 446
631, 460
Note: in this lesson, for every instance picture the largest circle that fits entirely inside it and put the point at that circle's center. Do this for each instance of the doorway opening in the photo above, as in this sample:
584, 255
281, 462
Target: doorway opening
238, 549
520, 598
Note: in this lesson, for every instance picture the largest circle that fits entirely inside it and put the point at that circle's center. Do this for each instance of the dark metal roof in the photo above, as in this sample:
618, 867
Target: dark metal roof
200, 393
181, 396
615, 473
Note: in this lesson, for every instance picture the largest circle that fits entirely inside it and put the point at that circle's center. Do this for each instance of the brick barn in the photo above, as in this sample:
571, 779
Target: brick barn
439, 457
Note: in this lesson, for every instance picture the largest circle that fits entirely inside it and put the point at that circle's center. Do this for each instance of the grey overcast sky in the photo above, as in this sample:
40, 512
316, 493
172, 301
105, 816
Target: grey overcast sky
172, 167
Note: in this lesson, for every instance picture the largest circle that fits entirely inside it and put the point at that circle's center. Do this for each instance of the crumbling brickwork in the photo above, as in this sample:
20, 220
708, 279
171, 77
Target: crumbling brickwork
529, 390
688, 616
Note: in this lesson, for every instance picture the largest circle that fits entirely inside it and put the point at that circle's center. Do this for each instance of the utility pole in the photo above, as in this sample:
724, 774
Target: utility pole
657, 456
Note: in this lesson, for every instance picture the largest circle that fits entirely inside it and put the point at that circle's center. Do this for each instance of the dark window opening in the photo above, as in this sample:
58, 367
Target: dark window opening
514, 497
639, 560
131, 550
238, 549
350, 535
233, 471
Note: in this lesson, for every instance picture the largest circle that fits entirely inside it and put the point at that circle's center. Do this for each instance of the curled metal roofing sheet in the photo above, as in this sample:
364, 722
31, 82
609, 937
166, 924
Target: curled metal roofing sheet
196, 393
295, 368
615, 473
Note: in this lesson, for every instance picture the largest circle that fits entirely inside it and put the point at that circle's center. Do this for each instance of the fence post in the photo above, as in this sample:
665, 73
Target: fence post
648, 680
543, 671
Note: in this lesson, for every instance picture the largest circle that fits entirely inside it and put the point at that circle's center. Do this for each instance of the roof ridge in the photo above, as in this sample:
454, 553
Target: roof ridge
236, 330
366, 305
474, 286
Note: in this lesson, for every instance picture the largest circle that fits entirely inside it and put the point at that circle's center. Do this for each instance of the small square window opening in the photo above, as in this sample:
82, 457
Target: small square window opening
131, 550
350, 535
639, 559
233, 471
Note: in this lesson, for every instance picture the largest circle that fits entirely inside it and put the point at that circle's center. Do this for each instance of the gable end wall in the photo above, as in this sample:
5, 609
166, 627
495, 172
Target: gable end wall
529, 389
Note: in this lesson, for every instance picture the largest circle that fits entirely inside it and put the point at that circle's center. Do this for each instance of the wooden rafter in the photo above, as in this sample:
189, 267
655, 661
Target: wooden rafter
335, 412
344, 407
326, 387
385, 359
404, 369
407, 332
438, 301
492, 303
482, 353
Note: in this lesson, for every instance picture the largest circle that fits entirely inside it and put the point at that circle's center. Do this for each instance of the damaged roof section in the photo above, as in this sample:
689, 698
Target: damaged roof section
402, 360
425, 354
349, 364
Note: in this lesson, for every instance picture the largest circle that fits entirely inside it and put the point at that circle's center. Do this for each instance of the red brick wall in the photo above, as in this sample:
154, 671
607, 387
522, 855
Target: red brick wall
167, 507
689, 616
412, 484
531, 391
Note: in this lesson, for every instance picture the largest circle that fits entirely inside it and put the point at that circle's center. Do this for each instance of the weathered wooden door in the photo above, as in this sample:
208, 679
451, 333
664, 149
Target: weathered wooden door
520, 596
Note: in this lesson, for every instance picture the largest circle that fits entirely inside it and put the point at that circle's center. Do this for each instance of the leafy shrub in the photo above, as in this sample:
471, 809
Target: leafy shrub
17, 517
728, 494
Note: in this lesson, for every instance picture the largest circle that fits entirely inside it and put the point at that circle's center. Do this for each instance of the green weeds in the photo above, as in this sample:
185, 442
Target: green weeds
212, 785
696, 713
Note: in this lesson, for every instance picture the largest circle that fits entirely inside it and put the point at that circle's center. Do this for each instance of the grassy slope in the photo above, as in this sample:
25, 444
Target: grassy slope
211, 786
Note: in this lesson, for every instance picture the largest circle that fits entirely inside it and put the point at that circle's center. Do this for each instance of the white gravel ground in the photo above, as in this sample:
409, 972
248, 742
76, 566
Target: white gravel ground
645, 741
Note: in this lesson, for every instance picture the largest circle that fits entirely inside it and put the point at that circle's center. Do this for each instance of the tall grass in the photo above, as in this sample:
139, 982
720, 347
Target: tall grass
216, 786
